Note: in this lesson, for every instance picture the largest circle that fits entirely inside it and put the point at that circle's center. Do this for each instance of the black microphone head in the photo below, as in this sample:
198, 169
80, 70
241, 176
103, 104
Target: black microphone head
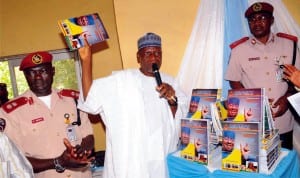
154, 67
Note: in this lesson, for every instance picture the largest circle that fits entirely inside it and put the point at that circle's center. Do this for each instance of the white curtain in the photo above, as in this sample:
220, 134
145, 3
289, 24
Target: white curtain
202, 62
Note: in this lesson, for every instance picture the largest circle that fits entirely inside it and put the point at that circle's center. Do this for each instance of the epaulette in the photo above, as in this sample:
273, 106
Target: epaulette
288, 36
69, 93
14, 104
240, 41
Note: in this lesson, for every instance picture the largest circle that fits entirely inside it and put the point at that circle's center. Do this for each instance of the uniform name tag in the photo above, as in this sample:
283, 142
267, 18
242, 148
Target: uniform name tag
253, 58
40, 119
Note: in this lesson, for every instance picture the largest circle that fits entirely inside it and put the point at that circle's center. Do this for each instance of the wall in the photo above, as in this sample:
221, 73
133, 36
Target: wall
171, 19
293, 7
31, 25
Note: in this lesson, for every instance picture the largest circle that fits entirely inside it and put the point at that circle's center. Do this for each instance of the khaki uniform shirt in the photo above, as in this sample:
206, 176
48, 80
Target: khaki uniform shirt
255, 65
39, 131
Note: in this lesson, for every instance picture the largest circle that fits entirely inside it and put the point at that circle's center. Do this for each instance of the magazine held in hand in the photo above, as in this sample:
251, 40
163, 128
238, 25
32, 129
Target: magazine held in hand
75, 29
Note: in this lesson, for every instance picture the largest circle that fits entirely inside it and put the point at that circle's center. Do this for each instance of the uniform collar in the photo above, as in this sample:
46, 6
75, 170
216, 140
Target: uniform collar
255, 41
53, 96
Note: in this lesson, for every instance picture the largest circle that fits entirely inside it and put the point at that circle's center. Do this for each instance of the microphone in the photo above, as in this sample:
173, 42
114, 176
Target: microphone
158, 78
156, 74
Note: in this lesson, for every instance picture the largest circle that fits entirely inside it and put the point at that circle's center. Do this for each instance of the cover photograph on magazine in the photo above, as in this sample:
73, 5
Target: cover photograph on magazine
245, 105
194, 140
240, 146
75, 29
200, 103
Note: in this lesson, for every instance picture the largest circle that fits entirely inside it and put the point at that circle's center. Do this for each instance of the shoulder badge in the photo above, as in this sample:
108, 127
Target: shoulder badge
288, 36
69, 93
14, 104
238, 42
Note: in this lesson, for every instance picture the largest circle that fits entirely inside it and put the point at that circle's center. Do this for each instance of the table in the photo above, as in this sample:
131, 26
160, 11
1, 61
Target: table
288, 167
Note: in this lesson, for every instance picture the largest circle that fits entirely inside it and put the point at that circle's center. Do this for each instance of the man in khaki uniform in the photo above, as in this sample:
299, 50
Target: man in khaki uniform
43, 123
256, 62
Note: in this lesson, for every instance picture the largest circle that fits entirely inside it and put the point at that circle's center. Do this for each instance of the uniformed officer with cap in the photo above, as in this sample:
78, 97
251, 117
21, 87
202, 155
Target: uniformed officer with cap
256, 62
45, 125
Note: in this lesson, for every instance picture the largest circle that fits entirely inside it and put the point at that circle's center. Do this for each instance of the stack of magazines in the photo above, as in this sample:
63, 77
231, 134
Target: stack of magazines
236, 134
270, 151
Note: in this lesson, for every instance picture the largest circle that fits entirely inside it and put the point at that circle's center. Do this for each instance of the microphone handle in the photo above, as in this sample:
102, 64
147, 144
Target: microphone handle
157, 77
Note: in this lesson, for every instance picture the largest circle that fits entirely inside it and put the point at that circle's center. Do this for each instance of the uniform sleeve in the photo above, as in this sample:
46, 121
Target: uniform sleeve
234, 71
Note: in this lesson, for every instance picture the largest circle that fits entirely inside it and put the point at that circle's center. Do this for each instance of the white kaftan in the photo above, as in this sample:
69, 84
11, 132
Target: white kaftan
13, 163
140, 128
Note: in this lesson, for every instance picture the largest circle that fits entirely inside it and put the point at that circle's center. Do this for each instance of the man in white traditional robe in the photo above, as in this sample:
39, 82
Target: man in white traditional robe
141, 117
13, 163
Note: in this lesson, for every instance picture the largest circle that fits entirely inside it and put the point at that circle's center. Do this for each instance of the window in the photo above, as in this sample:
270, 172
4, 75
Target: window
67, 72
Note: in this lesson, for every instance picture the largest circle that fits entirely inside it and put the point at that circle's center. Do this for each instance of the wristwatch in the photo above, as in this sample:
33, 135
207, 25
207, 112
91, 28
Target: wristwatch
58, 167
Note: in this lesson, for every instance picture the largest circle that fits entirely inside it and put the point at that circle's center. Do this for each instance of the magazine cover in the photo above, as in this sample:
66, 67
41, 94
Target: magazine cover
241, 146
194, 140
76, 28
200, 103
245, 105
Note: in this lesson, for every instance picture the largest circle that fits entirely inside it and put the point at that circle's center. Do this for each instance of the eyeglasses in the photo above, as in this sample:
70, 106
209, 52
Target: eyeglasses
154, 53
260, 18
